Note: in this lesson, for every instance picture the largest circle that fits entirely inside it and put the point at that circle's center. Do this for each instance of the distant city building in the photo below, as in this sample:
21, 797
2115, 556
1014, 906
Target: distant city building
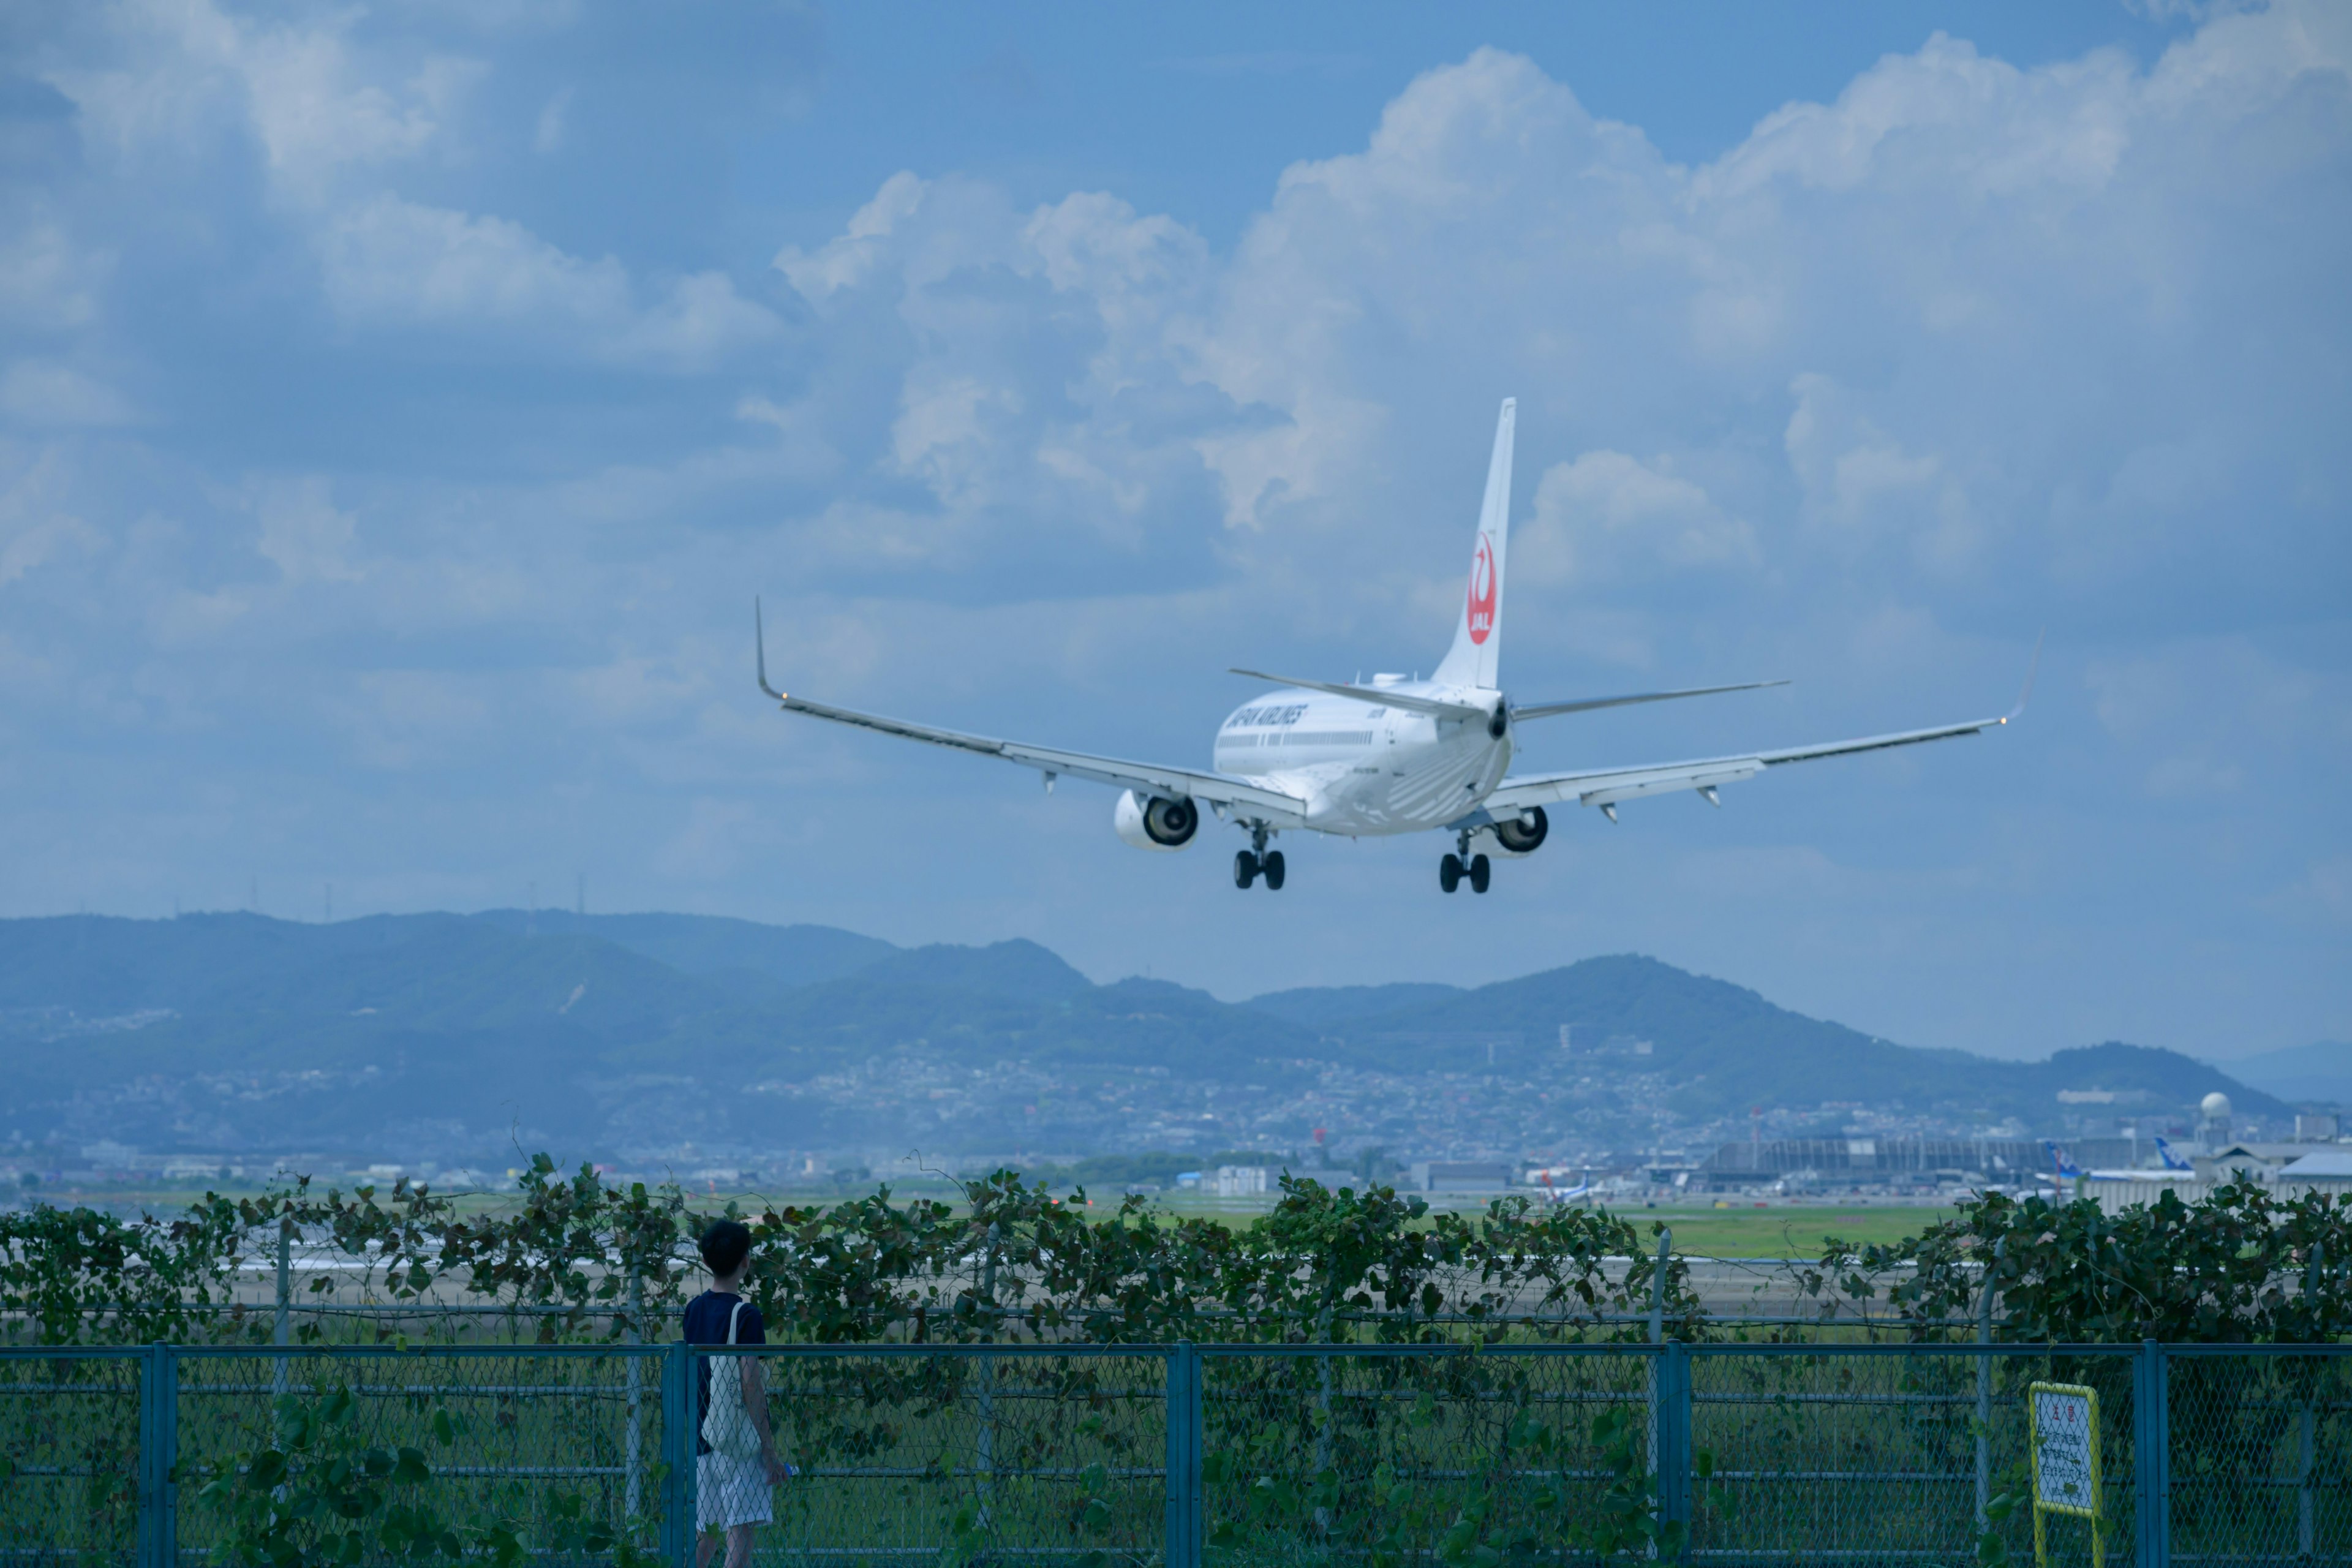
1612, 1045
2317, 1127
1461, 1176
1241, 1181
1799, 1163
2325, 1170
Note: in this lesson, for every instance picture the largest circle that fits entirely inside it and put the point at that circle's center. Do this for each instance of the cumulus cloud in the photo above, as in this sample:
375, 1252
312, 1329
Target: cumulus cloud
1606, 516
337, 127
392, 262
39, 391
177, 67
1957, 314
46, 282
1870, 395
303, 534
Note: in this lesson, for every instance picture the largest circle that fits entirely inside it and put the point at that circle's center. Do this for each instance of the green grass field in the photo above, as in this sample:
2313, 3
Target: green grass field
1783, 1230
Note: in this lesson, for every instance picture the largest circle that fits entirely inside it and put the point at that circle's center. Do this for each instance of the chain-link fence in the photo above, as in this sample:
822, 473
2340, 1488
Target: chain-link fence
1233, 1454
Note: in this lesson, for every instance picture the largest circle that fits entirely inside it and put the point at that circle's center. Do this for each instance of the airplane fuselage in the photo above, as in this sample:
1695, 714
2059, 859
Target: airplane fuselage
1366, 770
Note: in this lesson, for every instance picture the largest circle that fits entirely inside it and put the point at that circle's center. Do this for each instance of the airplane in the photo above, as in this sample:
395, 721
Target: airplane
1397, 756
1551, 1192
2066, 1170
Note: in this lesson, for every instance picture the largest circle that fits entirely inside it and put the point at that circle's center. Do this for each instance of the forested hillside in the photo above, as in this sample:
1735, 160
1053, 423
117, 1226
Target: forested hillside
466, 1034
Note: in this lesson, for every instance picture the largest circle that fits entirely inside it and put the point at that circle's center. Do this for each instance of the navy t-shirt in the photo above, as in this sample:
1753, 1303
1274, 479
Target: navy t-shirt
705, 1324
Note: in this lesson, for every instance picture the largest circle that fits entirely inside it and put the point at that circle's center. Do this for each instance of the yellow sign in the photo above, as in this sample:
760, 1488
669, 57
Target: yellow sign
2066, 1449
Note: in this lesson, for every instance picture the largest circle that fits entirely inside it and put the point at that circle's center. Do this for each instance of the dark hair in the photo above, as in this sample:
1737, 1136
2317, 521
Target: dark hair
725, 1245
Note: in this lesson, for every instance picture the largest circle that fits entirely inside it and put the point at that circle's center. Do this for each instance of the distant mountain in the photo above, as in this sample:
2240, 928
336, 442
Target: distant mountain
1017, 971
1327, 1006
1729, 1049
707, 944
2318, 1074
466, 1037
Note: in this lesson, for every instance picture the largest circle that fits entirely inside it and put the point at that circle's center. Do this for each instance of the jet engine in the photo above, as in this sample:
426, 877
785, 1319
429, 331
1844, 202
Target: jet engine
1524, 834
1158, 823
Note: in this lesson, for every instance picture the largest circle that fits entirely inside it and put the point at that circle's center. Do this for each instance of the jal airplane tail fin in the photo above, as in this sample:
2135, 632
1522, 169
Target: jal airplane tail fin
1475, 658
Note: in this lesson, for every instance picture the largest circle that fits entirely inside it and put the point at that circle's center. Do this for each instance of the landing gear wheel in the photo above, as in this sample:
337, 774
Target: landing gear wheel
1245, 869
1272, 866
1449, 872
1479, 872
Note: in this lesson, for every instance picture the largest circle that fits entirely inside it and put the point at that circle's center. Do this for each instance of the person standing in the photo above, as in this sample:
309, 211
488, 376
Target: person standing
732, 1485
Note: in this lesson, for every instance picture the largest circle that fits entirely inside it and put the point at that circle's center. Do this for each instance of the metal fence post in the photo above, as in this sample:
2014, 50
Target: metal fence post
1673, 1432
1984, 1390
1657, 1336
281, 1330
1184, 1522
159, 1411
632, 1499
677, 1455
2151, 1457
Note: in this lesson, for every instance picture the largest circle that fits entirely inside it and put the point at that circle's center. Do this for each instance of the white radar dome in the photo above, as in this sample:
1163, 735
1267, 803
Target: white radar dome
2215, 1105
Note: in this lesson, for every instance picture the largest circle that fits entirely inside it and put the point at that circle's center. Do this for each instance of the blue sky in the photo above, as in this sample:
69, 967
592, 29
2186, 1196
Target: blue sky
399, 408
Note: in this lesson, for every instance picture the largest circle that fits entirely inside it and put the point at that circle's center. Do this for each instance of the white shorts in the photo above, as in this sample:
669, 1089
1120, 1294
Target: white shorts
729, 1492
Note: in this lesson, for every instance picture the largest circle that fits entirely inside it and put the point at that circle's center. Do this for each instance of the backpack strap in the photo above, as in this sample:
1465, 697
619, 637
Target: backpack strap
731, 1316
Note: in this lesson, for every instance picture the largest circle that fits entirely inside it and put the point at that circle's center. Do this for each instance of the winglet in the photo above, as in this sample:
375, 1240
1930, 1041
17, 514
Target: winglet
759, 643
2032, 669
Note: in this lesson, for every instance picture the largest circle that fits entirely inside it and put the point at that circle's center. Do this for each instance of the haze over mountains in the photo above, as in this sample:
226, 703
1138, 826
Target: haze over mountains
651, 1037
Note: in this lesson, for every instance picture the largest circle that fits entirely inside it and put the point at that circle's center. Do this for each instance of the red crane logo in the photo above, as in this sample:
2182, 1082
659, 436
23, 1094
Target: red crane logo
1482, 591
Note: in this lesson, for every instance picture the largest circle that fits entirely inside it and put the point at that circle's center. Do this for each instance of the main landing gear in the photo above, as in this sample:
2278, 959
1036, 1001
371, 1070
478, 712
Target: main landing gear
1258, 861
1453, 868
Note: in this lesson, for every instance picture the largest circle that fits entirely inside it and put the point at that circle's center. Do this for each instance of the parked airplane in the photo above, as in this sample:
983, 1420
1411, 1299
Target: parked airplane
1398, 755
2065, 1169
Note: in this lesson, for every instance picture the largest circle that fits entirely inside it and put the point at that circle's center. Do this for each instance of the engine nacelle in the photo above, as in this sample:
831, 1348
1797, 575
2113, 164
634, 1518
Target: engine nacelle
1519, 836
1158, 823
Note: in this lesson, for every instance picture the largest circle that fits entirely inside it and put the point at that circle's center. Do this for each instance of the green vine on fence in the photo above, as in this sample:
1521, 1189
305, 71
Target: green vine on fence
2240, 1265
577, 1255
319, 1493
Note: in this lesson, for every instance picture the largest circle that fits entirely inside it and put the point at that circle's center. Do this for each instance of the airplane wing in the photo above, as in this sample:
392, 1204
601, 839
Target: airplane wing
1604, 788
1279, 809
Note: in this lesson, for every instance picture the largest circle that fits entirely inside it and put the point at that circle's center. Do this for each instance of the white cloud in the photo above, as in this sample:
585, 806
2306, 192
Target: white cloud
2193, 778
47, 283
37, 522
314, 106
394, 262
547, 135
862, 246
41, 392
332, 121
1606, 516
303, 534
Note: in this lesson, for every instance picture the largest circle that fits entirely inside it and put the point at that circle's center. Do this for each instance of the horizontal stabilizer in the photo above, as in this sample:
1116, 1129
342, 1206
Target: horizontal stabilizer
1378, 695
1586, 705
